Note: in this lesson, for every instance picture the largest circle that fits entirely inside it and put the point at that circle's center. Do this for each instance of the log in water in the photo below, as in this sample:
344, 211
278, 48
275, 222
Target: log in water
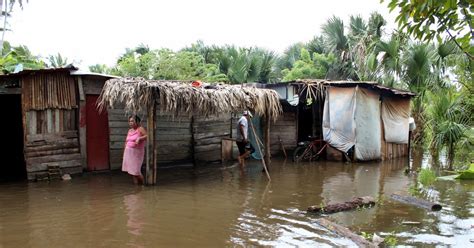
357, 202
417, 202
345, 232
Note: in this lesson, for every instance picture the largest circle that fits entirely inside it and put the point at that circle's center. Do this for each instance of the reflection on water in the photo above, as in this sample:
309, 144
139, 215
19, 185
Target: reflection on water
217, 206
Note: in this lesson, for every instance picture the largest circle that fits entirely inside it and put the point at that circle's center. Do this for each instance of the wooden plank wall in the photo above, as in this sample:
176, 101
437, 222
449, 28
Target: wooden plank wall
285, 128
51, 139
93, 85
118, 128
208, 135
43, 91
174, 137
392, 150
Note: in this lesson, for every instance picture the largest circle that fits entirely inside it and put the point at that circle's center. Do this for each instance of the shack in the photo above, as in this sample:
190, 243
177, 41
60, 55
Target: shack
45, 117
361, 120
198, 117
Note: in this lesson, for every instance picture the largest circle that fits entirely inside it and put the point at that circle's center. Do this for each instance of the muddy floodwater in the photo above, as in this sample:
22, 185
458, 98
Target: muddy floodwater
220, 206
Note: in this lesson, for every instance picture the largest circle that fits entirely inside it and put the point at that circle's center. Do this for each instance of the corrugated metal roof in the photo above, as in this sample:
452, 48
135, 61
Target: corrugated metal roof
69, 68
368, 84
88, 73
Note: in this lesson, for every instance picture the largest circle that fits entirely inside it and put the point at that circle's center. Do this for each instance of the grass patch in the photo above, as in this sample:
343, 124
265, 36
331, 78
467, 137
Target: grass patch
426, 177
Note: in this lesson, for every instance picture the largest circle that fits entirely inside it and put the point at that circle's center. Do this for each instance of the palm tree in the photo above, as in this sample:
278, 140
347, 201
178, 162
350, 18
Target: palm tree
448, 122
100, 68
390, 57
57, 61
290, 56
6, 8
338, 44
417, 75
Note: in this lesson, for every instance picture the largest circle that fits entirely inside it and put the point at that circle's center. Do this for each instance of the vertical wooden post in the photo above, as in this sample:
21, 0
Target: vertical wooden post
82, 122
193, 142
266, 135
151, 146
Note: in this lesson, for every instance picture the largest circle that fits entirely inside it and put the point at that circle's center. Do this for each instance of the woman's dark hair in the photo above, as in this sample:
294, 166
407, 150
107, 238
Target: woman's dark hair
136, 118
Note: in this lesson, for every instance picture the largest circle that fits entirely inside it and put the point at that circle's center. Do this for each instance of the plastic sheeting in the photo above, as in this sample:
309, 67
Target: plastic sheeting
395, 117
255, 122
352, 117
338, 118
368, 131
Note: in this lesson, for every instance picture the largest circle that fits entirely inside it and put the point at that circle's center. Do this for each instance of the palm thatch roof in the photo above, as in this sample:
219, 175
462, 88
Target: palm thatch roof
180, 97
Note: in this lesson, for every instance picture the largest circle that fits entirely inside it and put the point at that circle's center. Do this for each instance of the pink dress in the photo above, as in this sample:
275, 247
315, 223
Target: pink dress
134, 153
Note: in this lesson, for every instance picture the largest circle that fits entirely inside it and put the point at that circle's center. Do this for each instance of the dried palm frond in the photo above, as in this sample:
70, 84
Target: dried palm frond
178, 97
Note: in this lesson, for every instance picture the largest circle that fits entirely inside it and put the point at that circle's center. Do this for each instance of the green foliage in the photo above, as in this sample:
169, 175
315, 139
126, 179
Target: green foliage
426, 177
100, 68
11, 57
391, 240
427, 20
57, 61
367, 236
165, 64
448, 121
309, 68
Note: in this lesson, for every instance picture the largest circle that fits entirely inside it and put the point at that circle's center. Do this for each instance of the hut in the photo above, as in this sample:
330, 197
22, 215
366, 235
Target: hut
48, 112
188, 122
359, 120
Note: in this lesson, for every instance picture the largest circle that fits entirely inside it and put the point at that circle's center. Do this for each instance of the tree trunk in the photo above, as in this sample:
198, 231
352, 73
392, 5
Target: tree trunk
4, 23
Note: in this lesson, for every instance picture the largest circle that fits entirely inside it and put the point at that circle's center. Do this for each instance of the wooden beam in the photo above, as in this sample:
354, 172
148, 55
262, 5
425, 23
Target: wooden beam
82, 131
80, 86
345, 232
193, 141
151, 146
155, 147
266, 135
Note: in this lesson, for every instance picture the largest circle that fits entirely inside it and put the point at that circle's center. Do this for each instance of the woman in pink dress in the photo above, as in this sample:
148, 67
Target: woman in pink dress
134, 152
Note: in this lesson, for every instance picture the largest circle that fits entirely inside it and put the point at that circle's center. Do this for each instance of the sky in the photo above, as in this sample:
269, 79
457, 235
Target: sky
98, 31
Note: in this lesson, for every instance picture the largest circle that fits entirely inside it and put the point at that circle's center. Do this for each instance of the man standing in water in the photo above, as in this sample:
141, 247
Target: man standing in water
242, 137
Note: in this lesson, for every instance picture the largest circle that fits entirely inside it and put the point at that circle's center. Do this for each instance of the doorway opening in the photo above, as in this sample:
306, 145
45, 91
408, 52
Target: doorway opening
12, 159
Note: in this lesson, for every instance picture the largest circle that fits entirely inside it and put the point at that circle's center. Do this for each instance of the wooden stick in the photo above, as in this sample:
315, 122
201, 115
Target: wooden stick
258, 145
345, 232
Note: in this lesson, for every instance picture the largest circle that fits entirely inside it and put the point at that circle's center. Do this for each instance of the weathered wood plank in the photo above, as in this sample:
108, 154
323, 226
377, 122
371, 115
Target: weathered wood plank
31, 120
208, 156
174, 138
53, 158
57, 129
206, 148
32, 154
345, 232
211, 140
49, 121
49, 147
211, 134
52, 137
44, 166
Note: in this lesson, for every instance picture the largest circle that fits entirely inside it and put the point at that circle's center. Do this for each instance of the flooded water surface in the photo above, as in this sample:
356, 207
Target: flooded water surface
220, 206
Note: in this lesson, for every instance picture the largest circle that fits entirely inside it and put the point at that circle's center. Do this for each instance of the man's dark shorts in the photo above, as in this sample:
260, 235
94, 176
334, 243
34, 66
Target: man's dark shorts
241, 146
245, 147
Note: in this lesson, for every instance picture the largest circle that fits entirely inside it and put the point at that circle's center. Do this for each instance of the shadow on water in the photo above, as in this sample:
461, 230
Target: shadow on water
219, 206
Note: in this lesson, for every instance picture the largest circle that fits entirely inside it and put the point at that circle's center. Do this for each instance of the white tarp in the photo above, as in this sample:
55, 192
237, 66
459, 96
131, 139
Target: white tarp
352, 117
338, 118
395, 117
368, 127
